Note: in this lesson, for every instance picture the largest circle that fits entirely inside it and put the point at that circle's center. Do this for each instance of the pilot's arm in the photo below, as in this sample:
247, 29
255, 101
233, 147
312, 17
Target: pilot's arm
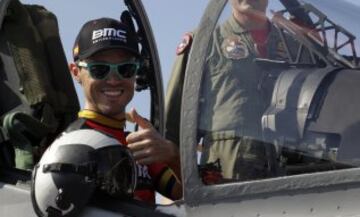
174, 90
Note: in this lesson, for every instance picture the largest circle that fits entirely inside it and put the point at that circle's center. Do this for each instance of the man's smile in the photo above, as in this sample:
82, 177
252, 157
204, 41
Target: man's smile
113, 92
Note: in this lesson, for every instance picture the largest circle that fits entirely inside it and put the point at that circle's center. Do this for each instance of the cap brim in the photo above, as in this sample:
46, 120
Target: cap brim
94, 50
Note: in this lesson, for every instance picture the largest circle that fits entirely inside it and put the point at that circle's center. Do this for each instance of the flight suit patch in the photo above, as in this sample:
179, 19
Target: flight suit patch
234, 48
184, 44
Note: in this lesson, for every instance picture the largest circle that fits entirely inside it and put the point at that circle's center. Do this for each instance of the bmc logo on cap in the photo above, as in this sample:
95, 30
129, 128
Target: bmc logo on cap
108, 34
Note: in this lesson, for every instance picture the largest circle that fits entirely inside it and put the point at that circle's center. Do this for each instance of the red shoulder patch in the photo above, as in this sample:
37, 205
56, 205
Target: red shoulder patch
184, 44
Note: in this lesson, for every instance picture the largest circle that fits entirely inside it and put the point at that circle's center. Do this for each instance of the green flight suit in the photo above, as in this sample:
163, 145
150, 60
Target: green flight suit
234, 96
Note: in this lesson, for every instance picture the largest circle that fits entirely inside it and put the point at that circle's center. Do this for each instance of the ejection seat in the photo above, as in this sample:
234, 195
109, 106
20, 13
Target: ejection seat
313, 118
37, 95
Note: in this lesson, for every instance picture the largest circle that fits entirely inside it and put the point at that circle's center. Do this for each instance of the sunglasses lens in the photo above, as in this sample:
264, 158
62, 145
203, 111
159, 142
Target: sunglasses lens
99, 71
128, 70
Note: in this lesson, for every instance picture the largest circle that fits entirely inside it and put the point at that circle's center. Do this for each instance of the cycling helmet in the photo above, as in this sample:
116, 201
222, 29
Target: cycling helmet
75, 166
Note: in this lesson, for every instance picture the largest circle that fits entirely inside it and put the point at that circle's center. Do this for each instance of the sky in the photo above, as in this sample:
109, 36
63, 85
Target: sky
170, 19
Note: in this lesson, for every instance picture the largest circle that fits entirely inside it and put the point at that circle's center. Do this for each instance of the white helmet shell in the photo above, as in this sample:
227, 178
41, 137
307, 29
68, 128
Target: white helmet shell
74, 166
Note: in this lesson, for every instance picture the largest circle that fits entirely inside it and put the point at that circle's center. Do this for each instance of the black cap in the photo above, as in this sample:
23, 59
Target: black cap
102, 34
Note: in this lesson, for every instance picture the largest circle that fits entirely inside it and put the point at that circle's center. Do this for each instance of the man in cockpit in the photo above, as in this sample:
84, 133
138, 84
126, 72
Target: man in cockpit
106, 60
234, 93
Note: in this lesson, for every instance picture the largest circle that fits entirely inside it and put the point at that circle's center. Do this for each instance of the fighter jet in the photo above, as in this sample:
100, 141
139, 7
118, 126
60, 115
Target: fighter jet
308, 125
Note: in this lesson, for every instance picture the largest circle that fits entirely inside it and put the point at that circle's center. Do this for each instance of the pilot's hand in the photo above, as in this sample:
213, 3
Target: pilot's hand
148, 146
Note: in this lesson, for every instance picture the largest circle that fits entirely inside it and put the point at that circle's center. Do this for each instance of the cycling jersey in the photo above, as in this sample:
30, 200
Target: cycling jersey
154, 177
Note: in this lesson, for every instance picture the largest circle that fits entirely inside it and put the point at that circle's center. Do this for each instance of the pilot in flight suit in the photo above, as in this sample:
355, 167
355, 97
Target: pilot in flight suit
234, 95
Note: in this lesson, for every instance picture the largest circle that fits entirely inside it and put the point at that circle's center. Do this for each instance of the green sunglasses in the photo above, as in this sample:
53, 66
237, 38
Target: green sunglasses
101, 70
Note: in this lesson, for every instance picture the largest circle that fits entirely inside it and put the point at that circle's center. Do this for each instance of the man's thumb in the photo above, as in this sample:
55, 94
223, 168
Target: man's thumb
138, 119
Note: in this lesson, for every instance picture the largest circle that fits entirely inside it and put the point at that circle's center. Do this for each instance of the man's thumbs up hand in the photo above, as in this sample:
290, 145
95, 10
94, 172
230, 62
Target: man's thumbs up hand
147, 145
134, 117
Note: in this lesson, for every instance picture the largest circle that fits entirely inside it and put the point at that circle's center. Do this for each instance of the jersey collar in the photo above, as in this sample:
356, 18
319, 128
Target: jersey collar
102, 119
